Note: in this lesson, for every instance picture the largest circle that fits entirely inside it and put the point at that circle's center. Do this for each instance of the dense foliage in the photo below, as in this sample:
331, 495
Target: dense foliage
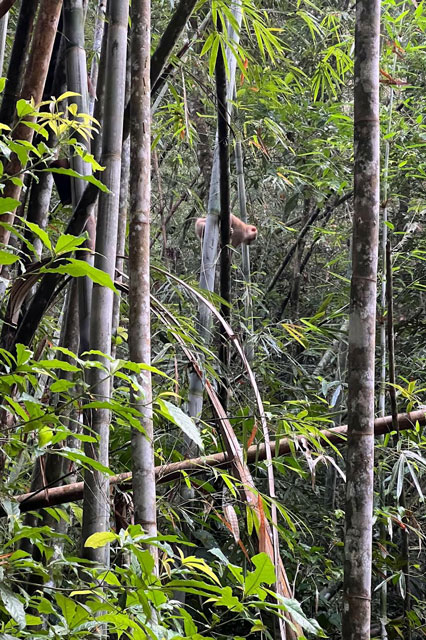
293, 114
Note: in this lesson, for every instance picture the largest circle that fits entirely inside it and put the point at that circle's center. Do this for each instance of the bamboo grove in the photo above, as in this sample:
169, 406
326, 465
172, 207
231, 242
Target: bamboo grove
212, 360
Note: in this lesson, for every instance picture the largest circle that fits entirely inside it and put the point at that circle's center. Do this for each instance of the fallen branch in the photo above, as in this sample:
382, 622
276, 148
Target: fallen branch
169, 472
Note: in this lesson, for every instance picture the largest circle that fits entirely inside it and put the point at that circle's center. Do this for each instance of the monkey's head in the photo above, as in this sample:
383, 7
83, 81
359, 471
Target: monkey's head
251, 234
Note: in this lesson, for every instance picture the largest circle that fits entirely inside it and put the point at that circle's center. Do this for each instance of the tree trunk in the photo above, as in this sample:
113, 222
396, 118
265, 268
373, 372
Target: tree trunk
144, 494
245, 252
122, 217
225, 219
362, 327
15, 72
210, 241
97, 48
405, 529
35, 78
3, 34
96, 496
74, 17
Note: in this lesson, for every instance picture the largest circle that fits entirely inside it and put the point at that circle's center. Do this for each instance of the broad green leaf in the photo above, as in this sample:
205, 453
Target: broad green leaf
67, 606
229, 601
146, 561
293, 607
44, 436
57, 364
188, 622
67, 243
75, 174
100, 539
67, 94
40, 233
181, 420
7, 258
264, 573
24, 108
78, 456
80, 269
61, 385
22, 355
13, 606
8, 204
22, 152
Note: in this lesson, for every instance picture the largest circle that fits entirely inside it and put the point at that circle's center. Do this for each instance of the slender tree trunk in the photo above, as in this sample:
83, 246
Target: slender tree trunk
96, 496
245, 251
98, 110
405, 531
210, 241
3, 34
5, 5
122, 216
15, 72
144, 494
33, 86
97, 48
225, 219
74, 17
170, 37
360, 448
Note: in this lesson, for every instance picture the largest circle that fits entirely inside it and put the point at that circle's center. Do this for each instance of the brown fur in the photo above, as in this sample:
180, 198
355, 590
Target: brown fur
241, 233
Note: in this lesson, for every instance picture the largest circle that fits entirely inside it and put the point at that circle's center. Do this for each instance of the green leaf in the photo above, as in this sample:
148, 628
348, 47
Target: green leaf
40, 233
67, 606
22, 152
264, 573
208, 43
80, 269
8, 204
13, 606
67, 94
57, 364
61, 385
181, 420
24, 108
67, 243
7, 258
293, 607
100, 539
22, 354
229, 601
75, 174
88, 463
213, 54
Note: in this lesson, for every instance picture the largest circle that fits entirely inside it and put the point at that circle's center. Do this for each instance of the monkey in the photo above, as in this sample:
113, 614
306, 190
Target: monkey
241, 233
62, 182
